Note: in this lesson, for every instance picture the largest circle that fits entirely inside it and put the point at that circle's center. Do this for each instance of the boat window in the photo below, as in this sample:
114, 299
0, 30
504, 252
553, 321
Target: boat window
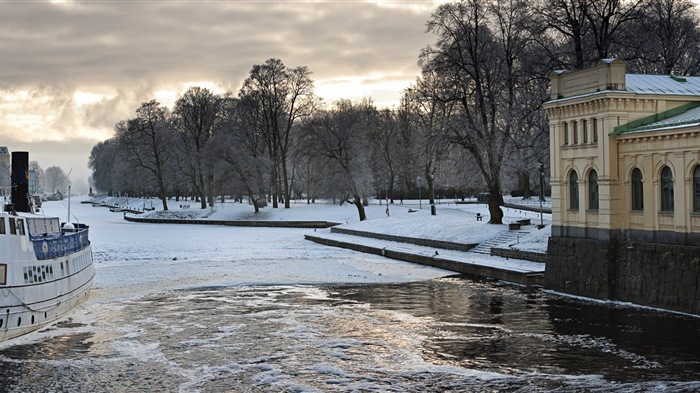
3, 274
20, 227
2, 225
13, 227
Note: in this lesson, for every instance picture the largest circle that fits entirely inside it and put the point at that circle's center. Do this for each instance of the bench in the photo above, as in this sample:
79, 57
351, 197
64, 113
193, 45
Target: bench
524, 221
412, 210
513, 226
184, 206
479, 217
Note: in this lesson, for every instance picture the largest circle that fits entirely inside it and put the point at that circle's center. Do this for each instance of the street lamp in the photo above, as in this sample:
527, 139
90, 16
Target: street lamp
541, 194
420, 200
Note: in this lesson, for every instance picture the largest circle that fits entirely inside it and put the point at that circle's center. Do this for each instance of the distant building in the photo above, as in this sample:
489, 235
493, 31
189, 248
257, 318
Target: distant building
625, 177
5, 156
5, 162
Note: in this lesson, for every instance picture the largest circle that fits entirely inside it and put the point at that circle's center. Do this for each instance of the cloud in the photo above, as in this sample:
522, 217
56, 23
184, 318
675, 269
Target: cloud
72, 69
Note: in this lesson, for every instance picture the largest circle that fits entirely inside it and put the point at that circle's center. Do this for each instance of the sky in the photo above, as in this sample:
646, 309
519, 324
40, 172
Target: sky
70, 70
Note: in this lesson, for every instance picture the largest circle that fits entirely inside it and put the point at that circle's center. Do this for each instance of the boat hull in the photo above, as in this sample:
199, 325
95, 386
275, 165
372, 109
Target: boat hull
55, 287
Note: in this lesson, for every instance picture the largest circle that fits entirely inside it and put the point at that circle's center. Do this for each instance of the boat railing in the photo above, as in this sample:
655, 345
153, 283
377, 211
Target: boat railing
57, 245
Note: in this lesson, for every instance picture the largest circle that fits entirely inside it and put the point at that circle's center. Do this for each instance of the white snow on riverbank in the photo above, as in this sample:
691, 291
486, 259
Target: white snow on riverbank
453, 222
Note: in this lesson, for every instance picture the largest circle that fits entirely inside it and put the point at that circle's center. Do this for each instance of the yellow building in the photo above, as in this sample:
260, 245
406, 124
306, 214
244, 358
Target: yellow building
625, 178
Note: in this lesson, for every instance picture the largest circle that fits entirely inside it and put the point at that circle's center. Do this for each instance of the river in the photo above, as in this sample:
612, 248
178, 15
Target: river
181, 308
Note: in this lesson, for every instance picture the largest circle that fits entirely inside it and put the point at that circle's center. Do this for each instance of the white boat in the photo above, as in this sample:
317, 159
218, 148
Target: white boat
45, 271
46, 268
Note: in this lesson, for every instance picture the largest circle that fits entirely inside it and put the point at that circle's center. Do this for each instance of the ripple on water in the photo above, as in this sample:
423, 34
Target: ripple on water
432, 336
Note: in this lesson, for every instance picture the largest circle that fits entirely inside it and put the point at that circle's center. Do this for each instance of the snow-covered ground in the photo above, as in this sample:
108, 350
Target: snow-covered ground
453, 222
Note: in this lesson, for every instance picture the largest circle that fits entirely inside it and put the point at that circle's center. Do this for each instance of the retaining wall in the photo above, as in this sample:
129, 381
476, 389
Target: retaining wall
528, 279
519, 254
657, 275
411, 240
235, 223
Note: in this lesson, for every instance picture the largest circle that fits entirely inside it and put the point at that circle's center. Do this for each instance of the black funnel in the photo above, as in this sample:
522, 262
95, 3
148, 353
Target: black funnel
20, 181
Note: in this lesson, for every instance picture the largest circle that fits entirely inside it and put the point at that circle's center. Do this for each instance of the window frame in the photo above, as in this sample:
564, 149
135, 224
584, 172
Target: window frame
636, 190
593, 192
573, 190
666, 190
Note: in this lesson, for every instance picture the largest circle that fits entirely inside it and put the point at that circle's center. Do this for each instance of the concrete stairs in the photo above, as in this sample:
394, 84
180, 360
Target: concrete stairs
504, 238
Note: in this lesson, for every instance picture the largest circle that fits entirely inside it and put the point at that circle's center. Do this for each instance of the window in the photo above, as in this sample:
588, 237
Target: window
595, 130
2, 225
666, 190
566, 133
585, 131
13, 230
575, 132
573, 191
637, 190
593, 190
696, 189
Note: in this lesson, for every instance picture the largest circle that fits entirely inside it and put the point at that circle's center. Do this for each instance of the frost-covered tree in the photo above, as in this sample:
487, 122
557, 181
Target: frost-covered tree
281, 98
56, 180
145, 142
341, 135
477, 63
196, 117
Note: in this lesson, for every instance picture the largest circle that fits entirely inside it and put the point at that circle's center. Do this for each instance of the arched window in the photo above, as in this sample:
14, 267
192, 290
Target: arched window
592, 190
573, 191
637, 190
696, 189
666, 190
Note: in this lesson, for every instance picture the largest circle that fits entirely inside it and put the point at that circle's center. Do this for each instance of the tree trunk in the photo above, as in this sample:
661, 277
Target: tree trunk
360, 208
495, 202
285, 186
201, 193
254, 201
162, 193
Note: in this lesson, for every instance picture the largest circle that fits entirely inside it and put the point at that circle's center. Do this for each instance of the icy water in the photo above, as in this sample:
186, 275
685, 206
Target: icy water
268, 321
440, 335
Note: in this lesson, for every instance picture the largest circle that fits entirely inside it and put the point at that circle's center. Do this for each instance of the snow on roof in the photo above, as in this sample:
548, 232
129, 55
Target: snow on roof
663, 84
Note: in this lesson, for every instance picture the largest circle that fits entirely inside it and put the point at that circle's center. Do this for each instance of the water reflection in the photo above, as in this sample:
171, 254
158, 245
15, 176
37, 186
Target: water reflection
450, 334
493, 327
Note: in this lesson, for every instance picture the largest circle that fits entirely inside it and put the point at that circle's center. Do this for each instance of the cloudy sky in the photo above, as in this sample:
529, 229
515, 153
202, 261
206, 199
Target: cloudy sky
69, 70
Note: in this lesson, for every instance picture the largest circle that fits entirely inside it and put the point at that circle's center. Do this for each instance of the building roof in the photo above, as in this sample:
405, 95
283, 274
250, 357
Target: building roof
663, 84
685, 115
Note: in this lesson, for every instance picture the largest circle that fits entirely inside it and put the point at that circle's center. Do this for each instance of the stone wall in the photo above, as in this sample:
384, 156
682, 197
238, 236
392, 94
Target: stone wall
519, 254
656, 275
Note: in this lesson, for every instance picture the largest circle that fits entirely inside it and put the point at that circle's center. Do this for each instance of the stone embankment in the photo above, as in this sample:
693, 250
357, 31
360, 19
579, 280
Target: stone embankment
443, 255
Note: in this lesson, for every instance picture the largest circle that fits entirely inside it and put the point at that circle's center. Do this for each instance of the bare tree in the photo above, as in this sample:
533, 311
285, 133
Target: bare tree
607, 20
432, 118
477, 64
56, 180
145, 141
340, 134
282, 97
665, 39
197, 114
563, 31
243, 149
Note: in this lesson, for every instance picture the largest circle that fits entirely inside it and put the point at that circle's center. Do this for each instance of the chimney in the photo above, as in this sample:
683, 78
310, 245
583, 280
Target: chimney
20, 181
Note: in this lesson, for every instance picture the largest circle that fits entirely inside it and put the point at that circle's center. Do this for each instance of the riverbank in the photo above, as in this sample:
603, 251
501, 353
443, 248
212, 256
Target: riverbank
457, 238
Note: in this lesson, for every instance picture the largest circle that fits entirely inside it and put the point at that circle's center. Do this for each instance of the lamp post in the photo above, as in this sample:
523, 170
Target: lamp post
541, 194
420, 200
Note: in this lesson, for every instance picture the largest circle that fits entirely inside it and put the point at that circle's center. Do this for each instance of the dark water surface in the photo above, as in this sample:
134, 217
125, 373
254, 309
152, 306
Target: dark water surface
443, 335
